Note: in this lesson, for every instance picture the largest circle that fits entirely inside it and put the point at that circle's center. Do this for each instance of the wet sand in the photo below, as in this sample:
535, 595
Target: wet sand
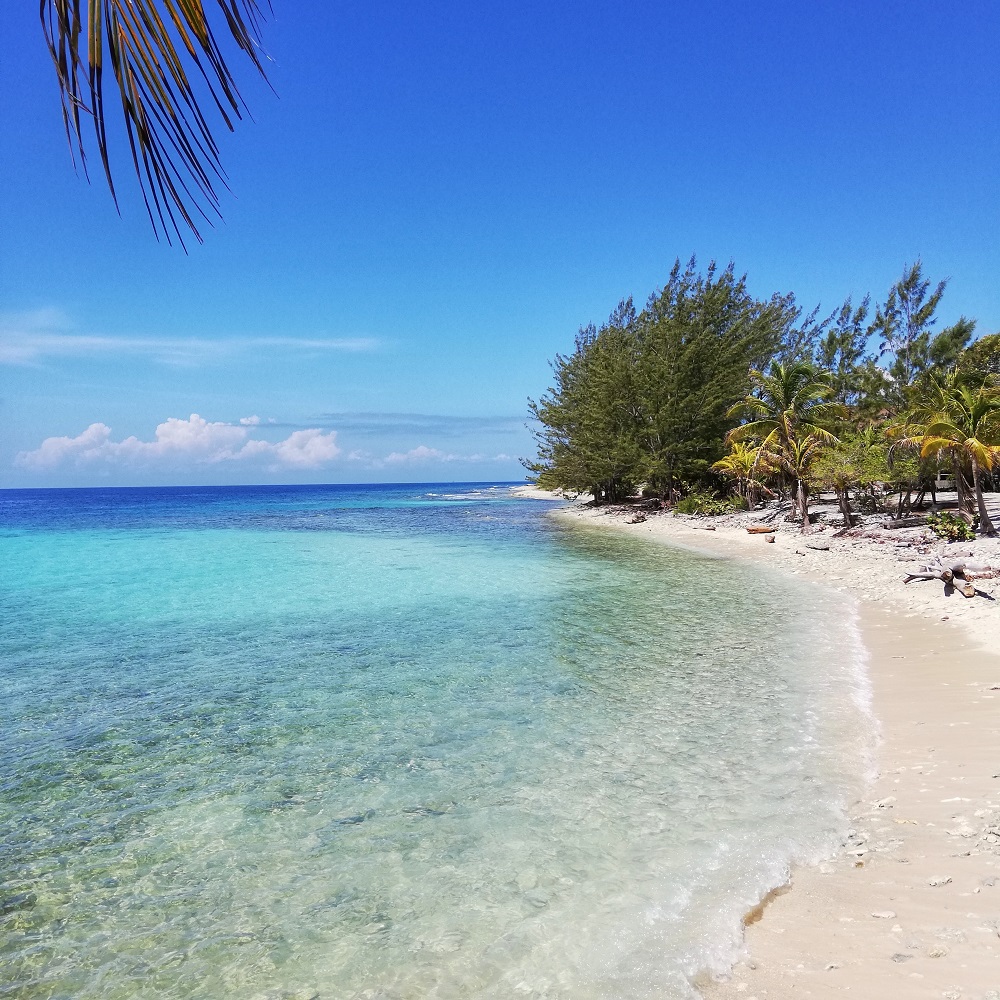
910, 905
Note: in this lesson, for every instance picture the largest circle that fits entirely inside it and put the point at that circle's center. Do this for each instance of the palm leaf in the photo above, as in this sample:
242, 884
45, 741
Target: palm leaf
153, 49
984, 454
765, 430
932, 444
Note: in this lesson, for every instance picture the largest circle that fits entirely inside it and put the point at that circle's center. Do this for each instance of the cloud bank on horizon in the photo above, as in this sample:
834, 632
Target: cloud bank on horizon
180, 444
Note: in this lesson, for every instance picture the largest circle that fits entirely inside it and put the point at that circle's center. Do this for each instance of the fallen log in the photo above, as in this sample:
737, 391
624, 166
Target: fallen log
905, 522
956, 574
760, 529
819, 547
939, 574
966, 566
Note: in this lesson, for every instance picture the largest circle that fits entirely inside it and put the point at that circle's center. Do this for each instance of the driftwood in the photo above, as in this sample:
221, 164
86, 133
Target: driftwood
818, 546
760, 529
957, 574
906, 522
638, 519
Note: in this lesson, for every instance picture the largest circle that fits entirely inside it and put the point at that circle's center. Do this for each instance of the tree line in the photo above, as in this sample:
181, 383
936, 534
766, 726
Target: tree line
709, 392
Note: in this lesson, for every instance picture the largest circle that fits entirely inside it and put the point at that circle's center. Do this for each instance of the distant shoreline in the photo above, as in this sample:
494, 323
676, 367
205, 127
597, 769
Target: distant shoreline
910, 903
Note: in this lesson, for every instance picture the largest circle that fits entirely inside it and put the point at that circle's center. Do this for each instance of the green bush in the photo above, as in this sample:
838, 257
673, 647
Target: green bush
705, 504
951, 527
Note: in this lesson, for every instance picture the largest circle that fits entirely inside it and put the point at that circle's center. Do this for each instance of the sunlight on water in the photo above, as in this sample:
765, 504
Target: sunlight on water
396, 742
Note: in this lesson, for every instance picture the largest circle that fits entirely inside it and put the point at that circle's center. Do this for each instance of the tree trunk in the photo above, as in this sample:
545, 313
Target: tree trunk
959, 485
845, 508
985, 524
802, 499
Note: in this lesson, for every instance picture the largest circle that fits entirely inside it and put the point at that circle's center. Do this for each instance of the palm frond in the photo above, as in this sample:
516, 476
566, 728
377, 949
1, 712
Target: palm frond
817, 433
153, 48
944, 428
933, 445
984, 454
751, 406
764, 430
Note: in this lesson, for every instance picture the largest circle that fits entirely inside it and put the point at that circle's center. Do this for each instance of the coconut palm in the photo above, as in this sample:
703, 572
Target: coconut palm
797, 459
937, 396
154, 49
967, 425
747, 466
790, 413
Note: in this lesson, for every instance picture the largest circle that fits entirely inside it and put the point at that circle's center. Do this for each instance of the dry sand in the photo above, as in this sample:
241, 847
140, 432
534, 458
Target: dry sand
910, 906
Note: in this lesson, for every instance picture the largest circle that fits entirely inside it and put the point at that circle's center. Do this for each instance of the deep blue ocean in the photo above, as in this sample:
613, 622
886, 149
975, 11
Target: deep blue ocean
397, 742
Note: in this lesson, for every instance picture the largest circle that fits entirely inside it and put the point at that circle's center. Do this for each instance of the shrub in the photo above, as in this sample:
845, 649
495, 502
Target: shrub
951, 527
705, 504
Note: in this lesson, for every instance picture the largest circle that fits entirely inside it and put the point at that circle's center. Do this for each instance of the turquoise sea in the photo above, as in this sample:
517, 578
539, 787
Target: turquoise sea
397, 742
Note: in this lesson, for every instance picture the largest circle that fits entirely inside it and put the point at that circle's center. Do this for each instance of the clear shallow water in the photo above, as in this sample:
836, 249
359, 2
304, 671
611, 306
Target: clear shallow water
396, 742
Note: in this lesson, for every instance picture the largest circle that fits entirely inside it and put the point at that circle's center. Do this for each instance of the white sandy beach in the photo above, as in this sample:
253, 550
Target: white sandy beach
910, 907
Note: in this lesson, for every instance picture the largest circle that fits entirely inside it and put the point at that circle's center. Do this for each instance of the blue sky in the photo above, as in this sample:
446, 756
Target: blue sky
441, 194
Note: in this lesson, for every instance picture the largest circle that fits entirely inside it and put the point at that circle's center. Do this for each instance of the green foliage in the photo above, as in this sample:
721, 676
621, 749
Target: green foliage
654, 397
789, 404
981, 360
152, 51
841, 351
857, 461
951, 527
903, 325
962, 423
697, 339
747, 467
706, 504
646, 398
947, 347
588, 421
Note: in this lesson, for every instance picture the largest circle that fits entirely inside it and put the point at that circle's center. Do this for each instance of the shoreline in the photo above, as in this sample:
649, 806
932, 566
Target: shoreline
910, 903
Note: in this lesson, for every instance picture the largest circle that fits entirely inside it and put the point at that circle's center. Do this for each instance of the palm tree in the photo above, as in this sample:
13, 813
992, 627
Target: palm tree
797, 460
789, 412
746, 465
967, 425
152, 48
938, 396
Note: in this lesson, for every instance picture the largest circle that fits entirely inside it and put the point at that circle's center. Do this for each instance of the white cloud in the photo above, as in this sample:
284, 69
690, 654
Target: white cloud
183, 442
89, 446
422, 454
307, 449
29, 338
419, 454
250, 421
